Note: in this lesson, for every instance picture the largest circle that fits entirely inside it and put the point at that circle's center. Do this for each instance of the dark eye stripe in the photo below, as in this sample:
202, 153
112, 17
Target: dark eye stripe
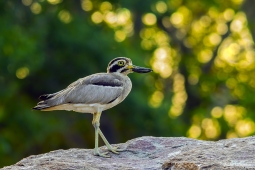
124, 70
115, 68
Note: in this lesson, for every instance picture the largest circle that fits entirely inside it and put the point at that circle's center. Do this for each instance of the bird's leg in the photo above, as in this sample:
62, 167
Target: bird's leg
108, 145
96, 124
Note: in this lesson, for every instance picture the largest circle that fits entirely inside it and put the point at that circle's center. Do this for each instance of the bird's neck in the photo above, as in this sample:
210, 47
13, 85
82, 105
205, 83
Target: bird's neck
118, 73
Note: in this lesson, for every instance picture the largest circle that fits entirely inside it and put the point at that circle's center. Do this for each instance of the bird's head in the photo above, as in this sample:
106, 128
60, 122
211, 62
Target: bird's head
124, 65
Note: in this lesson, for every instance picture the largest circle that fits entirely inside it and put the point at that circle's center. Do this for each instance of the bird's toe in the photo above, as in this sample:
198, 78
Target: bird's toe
116, 150
104, 154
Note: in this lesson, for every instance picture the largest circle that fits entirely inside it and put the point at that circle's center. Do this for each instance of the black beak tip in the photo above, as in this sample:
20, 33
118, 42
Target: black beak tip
149, 70
142, 70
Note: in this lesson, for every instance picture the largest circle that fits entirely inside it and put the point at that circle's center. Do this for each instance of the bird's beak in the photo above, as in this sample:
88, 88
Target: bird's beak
138, 69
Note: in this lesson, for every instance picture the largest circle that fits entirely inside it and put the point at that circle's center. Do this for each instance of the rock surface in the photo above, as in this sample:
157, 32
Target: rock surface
149, 153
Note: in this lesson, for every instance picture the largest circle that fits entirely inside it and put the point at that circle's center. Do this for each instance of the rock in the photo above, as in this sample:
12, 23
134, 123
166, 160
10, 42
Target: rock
151, 153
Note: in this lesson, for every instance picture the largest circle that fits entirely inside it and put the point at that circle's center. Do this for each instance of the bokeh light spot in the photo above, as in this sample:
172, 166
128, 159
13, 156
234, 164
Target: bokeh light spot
162, 62
156, 99
245, 127
161, 7
181, 18
97, 17
193, 79
147, 33
123, 16
236, 26
176, 18
175, 111
110, 18
239, 22
36, 8
229, 14
222, 28
106, 6
205, 55
120, 36
214, 39
179, 98
86, 5
65, 16
211, 128
217, 112
149, 19
194, 131
233, 113
22, 72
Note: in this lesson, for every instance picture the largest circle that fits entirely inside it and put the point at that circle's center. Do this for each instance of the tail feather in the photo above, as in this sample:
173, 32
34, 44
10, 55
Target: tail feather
46, 96
49, 96
48, 100
40, 107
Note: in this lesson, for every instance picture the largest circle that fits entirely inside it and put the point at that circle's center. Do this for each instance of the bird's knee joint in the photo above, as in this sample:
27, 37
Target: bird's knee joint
96, 124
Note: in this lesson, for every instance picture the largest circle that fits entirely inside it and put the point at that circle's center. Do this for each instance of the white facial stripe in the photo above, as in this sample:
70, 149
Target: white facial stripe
120, 70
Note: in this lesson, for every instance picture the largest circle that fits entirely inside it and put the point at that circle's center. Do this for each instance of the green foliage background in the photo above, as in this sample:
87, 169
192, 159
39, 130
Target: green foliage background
202, 53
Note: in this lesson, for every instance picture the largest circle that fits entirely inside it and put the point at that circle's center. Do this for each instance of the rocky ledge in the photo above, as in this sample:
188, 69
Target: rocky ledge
149, 153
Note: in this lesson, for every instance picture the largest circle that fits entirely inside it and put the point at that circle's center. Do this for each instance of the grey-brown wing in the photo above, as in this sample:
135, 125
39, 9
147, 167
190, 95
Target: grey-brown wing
90, 93
98, 88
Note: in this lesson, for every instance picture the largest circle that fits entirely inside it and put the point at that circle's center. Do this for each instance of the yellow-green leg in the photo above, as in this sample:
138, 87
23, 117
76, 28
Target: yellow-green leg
96, 124
112, 149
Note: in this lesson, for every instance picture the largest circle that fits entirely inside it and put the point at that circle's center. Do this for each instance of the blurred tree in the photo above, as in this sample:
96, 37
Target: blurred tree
202, 53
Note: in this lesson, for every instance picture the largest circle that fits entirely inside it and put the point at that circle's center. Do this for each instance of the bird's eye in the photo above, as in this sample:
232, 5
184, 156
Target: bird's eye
121, 63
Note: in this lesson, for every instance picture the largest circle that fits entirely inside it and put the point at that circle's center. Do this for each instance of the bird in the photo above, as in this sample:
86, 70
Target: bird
95, 93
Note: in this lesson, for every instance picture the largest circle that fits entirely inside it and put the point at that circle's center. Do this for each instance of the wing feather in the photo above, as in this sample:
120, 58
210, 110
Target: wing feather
89, 94
99, 88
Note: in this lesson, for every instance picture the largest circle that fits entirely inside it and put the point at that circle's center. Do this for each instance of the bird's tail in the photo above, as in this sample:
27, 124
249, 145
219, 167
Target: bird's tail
41, 106
44, 104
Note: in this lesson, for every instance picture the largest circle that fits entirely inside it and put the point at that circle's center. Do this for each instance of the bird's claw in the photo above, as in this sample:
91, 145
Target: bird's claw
114, 151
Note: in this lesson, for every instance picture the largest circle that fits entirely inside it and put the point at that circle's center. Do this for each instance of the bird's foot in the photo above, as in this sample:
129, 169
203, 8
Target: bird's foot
115, 149
104, 154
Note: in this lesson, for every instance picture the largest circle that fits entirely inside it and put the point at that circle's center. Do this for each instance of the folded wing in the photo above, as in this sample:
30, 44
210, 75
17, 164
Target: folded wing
98, 88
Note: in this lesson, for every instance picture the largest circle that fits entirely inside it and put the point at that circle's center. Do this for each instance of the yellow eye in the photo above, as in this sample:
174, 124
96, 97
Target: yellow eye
121, 63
